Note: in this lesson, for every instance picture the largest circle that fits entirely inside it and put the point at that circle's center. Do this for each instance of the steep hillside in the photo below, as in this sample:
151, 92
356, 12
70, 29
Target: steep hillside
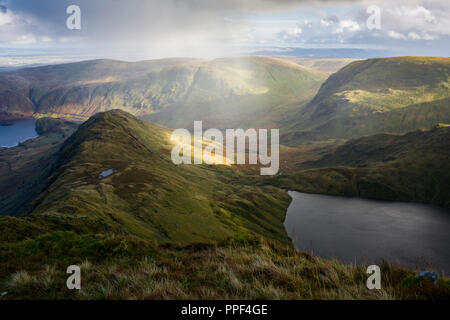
147, 195
173, 92
23, 168
379, 95
243, 92
411, 167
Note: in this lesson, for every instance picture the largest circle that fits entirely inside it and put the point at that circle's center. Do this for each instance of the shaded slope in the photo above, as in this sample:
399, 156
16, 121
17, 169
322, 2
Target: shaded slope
411, 167
23, 169
390, 94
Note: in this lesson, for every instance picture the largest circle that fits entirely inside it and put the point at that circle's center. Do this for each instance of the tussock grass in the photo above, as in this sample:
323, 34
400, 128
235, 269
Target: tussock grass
259, 269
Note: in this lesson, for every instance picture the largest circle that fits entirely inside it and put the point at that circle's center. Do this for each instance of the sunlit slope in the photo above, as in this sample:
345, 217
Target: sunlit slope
377, 95
147, 195
243, 92
411, 167
72, 88
173, 92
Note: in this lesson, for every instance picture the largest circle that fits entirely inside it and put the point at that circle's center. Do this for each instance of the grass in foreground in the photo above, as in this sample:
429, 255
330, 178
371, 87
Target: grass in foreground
114, 267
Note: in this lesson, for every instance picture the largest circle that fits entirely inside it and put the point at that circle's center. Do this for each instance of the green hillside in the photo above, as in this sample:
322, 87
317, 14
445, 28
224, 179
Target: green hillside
123, 267
142, 231
147, 195
378, 95
105, 194
22, 168
411, 167
173, 92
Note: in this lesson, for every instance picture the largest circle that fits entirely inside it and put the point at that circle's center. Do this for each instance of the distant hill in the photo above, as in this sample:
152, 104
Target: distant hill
379, 95
325, 53
411, 167
231, 92
330, 65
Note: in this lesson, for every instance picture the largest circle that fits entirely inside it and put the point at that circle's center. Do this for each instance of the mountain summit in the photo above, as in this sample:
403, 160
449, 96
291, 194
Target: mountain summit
117, 169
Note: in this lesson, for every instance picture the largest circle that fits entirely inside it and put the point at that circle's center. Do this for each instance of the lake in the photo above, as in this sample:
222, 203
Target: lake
362, 231
18, 131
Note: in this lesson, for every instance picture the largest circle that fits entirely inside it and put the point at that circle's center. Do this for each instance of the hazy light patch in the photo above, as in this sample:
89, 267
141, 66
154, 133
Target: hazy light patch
196, 150
97, 81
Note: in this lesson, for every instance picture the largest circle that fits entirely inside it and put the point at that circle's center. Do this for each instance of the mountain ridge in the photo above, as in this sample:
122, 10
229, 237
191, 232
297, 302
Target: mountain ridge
147, 195
228, 90
395, 95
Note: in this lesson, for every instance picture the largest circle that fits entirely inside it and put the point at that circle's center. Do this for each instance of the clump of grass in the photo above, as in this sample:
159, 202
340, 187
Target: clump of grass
259, 269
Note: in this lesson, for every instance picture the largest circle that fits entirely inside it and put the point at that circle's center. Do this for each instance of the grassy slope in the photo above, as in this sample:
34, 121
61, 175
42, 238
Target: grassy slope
148, 196
122, 229
118, 267
22, 167
410, 167
222, 92
378, 95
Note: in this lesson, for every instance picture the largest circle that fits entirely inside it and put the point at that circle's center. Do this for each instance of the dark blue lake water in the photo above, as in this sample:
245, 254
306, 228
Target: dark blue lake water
19, 131
366, 231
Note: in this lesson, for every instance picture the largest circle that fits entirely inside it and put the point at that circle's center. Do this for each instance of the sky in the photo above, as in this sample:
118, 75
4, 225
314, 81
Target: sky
35, 31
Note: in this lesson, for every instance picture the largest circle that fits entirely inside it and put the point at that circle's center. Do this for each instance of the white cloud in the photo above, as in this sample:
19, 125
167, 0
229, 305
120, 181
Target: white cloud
326, 22
5, 18
295, 31
414, 36
396, 35
24, 40
418, 22
347, 25
418, 13
430, 37
16, 29
159, 28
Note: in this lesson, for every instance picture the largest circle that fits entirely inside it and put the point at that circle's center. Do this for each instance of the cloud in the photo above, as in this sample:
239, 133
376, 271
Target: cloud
418, 22
396, 35
414, 36
24, 39
5, 16
138, 29
347, 25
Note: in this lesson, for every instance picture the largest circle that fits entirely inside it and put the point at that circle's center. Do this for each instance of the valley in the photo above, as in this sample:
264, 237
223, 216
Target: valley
224, 93
98, 186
